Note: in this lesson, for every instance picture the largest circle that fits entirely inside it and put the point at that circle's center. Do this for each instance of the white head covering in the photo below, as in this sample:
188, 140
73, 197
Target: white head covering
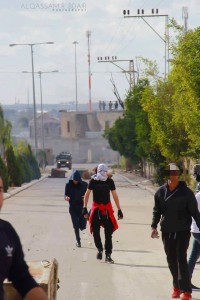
101, 175
173, 167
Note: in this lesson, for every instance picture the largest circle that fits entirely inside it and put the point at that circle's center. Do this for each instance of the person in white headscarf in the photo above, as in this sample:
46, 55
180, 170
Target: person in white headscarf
101, 213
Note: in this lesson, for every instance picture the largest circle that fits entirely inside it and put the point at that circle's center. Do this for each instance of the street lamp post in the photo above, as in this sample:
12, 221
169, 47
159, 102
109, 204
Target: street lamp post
41, 103
33, 83
88, 34
75, 43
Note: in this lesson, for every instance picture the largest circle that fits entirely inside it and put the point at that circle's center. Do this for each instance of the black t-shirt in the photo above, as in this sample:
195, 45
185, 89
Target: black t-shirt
101, 190
12, 263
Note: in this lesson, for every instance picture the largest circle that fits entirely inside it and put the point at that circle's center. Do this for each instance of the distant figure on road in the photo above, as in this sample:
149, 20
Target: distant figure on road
101, 213
104, 105
175, 205
110, 105
74, 193
12, 263
100, 105
116, 104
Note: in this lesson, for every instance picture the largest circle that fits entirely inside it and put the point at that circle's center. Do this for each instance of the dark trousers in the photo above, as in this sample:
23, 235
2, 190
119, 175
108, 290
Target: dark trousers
78, 221
176, 245
104, 220
195, 252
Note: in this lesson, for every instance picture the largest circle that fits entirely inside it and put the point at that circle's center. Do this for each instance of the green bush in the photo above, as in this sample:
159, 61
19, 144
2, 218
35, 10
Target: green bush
4, 174
33, 164
13, 167
26, 171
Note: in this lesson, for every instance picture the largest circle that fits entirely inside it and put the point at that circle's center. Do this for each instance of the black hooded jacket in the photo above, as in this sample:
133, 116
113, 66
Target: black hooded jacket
175, 209
76, 191
12, 263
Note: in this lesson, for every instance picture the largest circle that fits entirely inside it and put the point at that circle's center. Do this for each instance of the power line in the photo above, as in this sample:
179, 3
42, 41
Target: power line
154, 13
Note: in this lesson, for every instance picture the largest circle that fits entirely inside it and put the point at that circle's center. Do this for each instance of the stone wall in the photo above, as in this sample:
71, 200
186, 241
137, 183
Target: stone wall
74, 125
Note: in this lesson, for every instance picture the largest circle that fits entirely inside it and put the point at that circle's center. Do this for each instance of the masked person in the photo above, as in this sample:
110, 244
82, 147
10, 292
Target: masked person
101, 213
175, 205
12, 263
74, 193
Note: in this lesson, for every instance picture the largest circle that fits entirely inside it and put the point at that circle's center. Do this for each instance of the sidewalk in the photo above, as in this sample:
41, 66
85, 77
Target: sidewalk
15, 190
139, 180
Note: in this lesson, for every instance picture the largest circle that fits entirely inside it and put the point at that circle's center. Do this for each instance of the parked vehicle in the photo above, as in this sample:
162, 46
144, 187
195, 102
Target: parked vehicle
64, 159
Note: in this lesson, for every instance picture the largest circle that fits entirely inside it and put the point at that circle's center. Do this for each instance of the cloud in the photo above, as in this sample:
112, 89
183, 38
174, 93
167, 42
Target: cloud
111, 34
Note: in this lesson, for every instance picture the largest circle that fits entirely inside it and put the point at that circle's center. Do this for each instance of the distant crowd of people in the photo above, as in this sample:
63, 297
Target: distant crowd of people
110, 105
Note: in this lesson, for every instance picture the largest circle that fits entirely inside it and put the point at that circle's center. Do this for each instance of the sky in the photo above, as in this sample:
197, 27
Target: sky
63, 22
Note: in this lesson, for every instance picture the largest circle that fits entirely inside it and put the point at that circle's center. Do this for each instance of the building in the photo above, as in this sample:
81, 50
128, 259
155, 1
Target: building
80, 133
84, 133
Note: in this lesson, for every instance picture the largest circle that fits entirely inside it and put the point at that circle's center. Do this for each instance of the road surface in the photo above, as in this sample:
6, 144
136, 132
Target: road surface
40, 216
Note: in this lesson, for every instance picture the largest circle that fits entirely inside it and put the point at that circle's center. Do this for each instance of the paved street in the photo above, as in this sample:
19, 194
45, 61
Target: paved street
40, 216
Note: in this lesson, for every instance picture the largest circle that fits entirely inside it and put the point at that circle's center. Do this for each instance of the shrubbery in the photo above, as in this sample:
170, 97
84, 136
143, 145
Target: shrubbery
4, 174
18, 168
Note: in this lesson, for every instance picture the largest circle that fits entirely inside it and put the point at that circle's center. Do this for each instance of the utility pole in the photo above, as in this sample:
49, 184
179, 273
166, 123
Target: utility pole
88, 34
114, 60
185, 17
75, 43
154, 13
33, 84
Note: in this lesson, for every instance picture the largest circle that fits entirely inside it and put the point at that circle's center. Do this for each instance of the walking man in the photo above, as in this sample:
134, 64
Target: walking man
175, 205
101, 213
74, 193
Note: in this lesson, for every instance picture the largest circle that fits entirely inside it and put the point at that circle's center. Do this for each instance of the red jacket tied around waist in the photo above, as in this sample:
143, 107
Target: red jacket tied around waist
104, 209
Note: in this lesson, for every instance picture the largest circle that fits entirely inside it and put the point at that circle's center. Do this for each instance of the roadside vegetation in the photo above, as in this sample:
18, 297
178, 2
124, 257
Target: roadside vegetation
161, 116
17, 162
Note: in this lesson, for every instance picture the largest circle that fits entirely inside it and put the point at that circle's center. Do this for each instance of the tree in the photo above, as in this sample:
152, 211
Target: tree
4, 174
121, 137
13, 167
130, 134
5, 133
157, 102
185, 76
139, 119
30, 165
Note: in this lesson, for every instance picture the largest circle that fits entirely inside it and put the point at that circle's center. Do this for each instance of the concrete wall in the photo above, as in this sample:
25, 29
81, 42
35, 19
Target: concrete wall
82, 150
108, 118
81, 135
82, 122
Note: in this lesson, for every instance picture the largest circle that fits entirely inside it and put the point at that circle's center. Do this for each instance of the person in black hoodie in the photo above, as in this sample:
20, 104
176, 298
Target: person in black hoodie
74, 192
12, 263
175, 205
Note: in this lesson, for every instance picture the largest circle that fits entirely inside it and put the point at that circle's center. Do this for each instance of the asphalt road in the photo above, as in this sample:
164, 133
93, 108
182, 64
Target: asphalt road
40, 216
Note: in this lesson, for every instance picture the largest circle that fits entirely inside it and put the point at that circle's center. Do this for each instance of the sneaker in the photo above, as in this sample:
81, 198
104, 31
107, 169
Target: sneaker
100, 255
198, 261
78, 244
194, 287
176, 293
108, 259
186, 296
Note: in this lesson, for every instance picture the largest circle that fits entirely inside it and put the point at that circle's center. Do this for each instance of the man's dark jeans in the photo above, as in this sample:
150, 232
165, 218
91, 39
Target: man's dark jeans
78, 221
98, 220
195, 252
176, 245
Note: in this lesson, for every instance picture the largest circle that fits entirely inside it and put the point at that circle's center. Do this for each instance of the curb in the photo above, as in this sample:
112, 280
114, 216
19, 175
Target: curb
24, 187
151, 190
